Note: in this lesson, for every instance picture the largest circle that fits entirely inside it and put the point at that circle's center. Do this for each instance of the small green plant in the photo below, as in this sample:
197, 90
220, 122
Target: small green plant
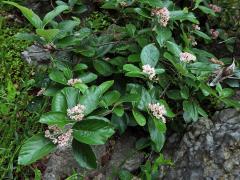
160, 75
17, 81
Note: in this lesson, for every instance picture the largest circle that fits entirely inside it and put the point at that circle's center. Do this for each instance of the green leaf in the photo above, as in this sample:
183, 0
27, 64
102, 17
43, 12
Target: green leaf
173, 48
82, 87
157, 137
174, 94
219, 88
54, 13
90, 99
183, 16
71, 95
84, 155
163, 34
202, 34
139, 117
131, 29
142, 12
59, 103
145, 99
150, 55
119, 111
58, 76
142, 143
120, 123
67, 73
206, 10
102, 88
69, 25
11, 90
138, 74
191, 109
87, 77
129, 98
133, 58
93, 132
202, 112
125, 175
28, 13
153, 3
169, 113
103, 67
227, 92
80, 67
51, 91
54, 118
184, 92
131, 68
197, 2
159, 71
87, 51
160, 125
27, 37
48, 34
34, 149
110, 98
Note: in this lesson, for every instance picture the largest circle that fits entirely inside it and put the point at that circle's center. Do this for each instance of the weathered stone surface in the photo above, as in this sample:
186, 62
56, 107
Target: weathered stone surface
111, 157
209, 150
124, 156
62, 164
35, 55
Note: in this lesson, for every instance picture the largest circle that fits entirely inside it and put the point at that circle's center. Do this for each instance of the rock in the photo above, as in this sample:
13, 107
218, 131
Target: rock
62, 164
210, 149
111, 157
124, 156
36, 55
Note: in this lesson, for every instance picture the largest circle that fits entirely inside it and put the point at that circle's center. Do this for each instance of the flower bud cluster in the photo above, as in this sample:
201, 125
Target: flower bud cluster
196, 27
150, 71
72, 82
163, 14
158, 111
193, 41
214, 33
57, 136
187, 57
77, 112
215, 8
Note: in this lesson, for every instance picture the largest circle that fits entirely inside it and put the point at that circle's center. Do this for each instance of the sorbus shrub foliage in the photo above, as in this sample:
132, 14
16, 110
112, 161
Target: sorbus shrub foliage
148, 68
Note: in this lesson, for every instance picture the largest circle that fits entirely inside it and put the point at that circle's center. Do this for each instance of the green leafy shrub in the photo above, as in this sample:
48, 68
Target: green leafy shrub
161, 75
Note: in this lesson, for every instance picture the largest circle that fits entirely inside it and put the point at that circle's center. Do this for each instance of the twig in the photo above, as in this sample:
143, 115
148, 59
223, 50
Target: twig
164, 91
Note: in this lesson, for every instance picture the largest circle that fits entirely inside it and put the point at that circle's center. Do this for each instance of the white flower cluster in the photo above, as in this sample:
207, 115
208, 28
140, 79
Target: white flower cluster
150, 71
196, 27
214, 33
57, 136
163, 14
77, 112
193, 41
72, 82
215, 8
158, 111
187, 57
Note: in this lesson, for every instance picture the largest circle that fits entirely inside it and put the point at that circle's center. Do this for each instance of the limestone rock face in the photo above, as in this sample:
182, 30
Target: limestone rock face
210, 149
36, 55
111, 157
